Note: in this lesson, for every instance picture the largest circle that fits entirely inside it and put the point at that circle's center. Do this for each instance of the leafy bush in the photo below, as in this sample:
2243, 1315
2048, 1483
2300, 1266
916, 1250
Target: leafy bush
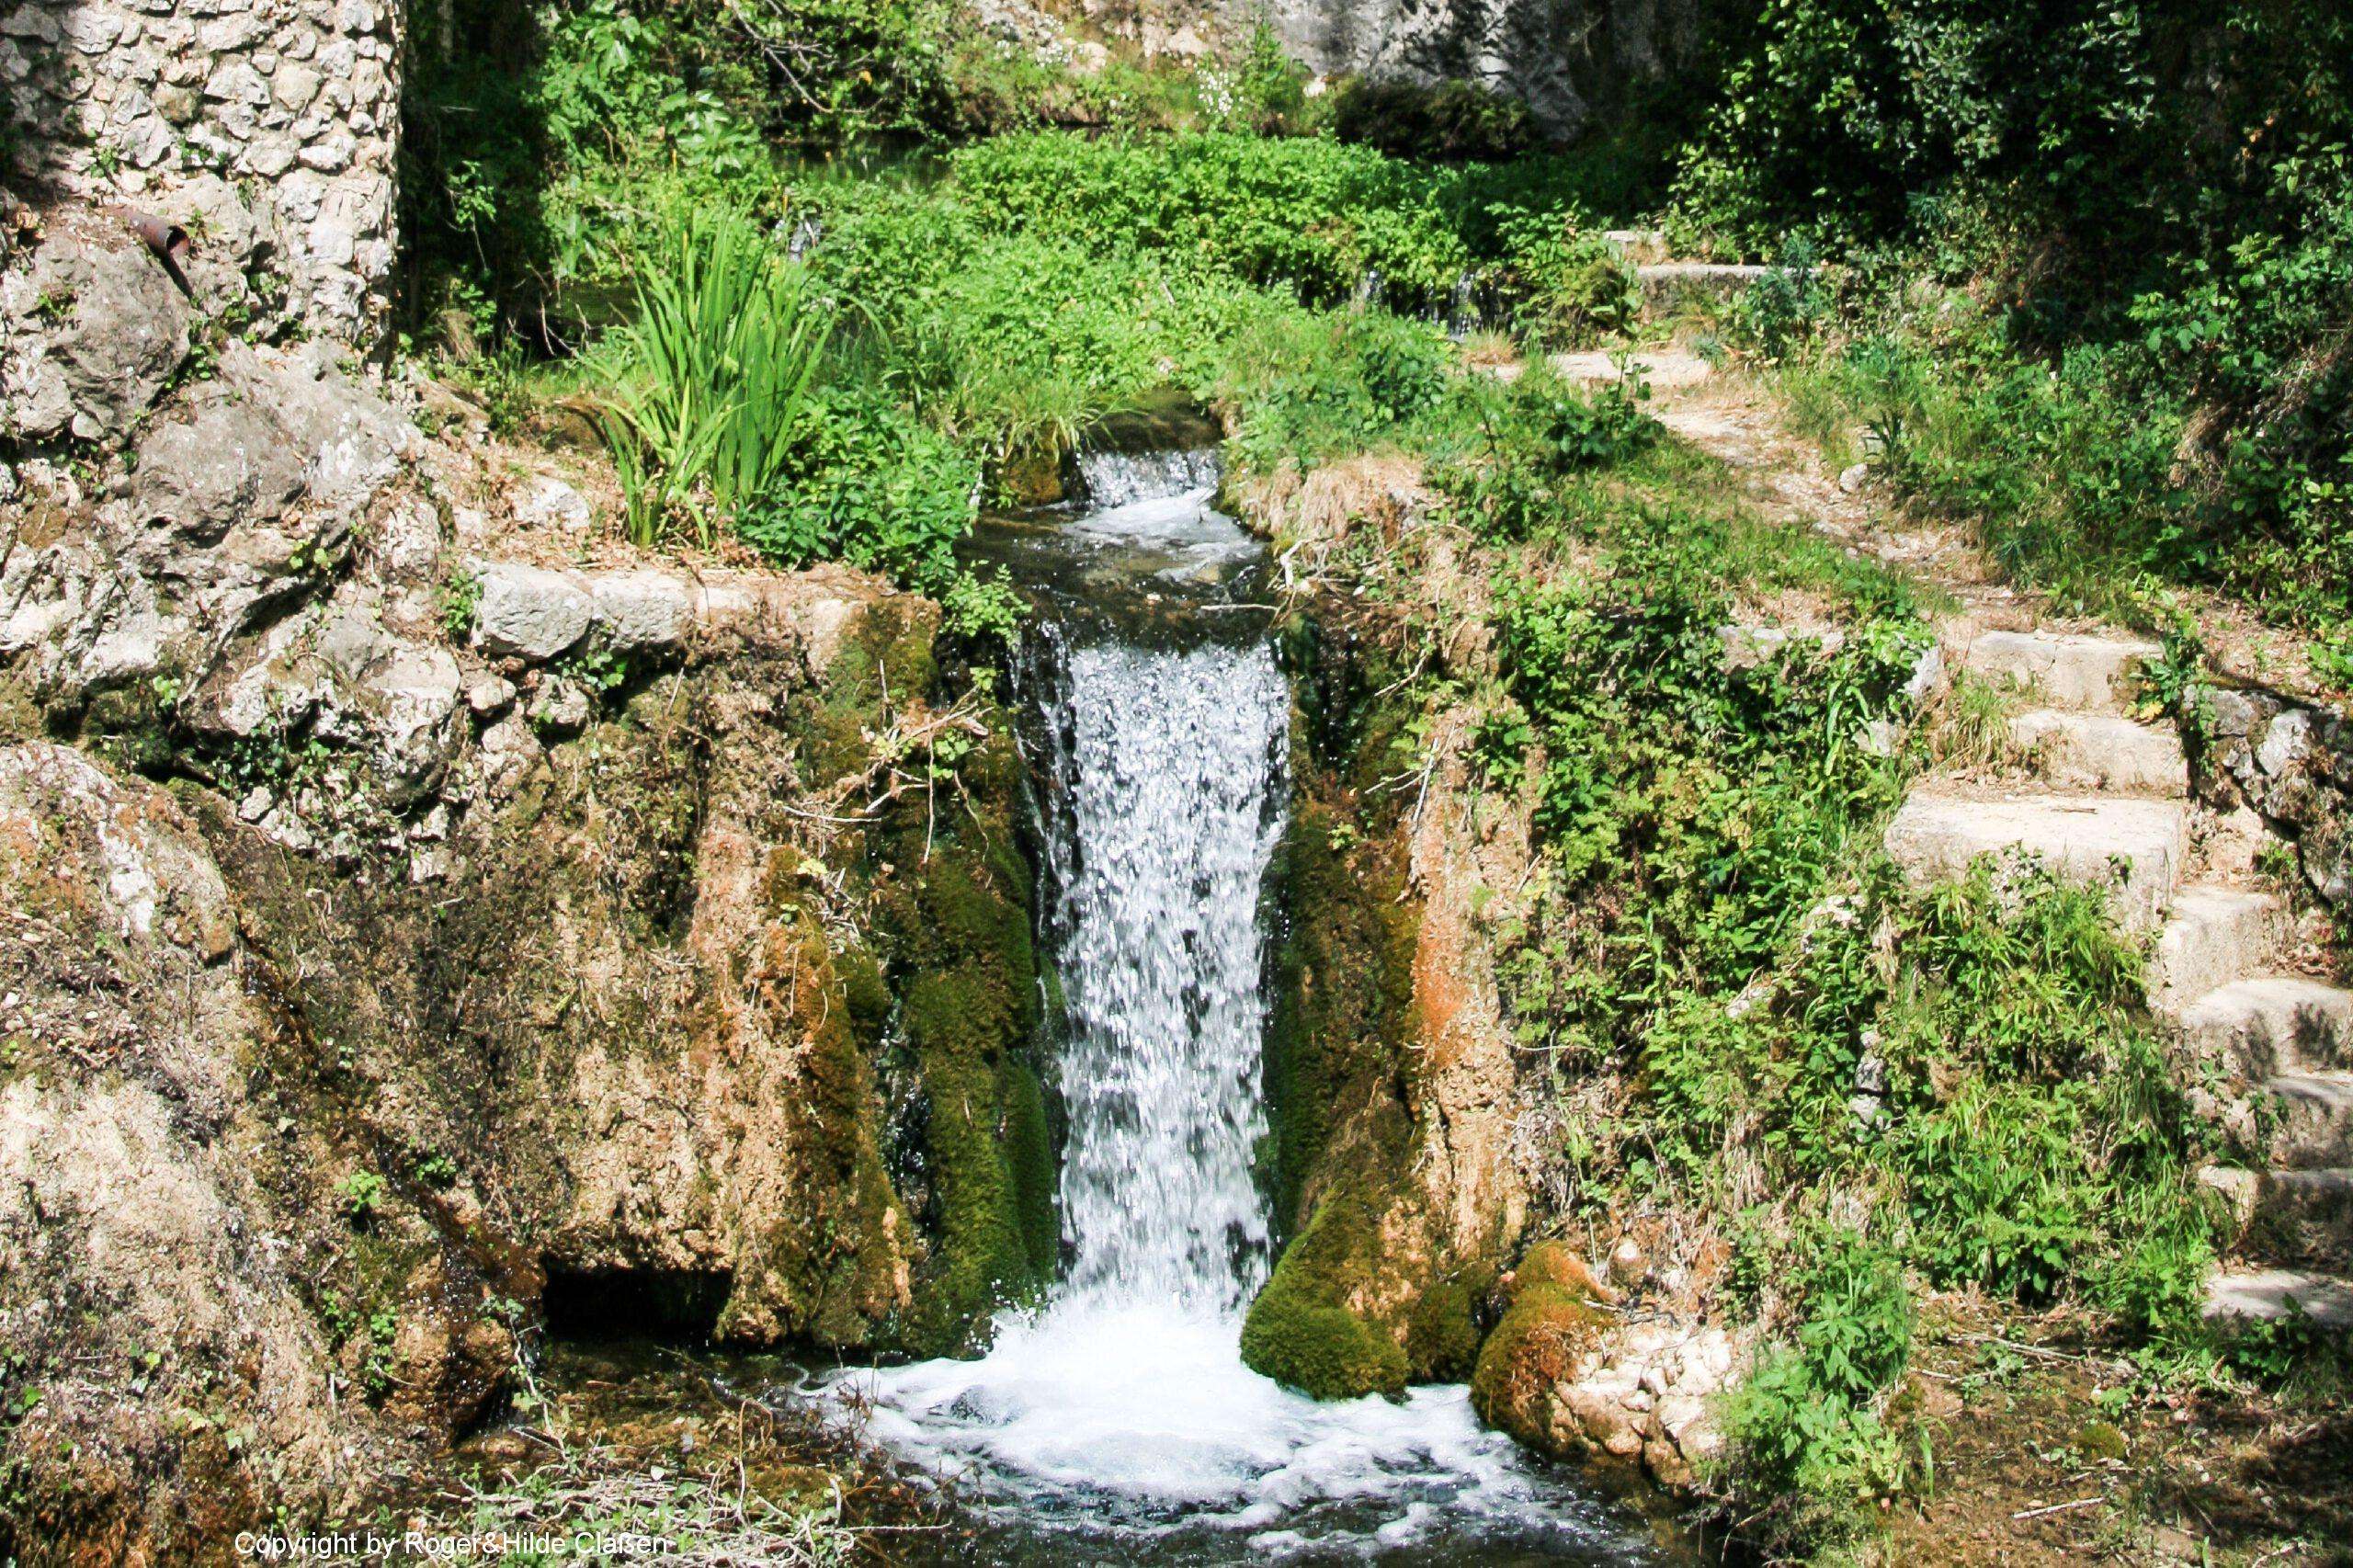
1309, 386
1311, 214
1787, 304
867, 483
1572, 284
1805, 1426
2160, 198
1449, 122
1030, 341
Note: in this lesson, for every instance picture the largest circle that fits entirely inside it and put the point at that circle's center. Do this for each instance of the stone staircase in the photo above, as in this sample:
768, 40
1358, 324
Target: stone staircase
2109, 803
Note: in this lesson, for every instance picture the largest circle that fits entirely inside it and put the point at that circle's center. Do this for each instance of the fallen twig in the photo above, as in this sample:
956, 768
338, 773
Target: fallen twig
2056, 1509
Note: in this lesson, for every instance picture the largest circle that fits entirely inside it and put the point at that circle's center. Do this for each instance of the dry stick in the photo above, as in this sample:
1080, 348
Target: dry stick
2056, 1509
2031, 1349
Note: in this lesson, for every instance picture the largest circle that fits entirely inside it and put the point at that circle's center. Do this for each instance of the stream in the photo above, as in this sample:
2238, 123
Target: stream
1116, 1420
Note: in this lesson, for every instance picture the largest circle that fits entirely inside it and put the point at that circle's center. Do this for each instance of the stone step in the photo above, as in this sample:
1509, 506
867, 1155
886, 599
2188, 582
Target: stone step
2315, 1126
1664, 282
2306, 1215
1663, 370
2278, 1024
2271, 1293
1637, 244
2214, 936
2101, 751
2082, 674
2134, 845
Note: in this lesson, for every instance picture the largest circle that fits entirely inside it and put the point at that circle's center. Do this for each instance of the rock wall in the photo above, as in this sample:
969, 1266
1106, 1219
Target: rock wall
267, 129
1572, 62
1392, 1081
2293, 762
424, 918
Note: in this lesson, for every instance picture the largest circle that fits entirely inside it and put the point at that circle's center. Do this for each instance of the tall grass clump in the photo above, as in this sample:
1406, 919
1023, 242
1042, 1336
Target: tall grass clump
713, 379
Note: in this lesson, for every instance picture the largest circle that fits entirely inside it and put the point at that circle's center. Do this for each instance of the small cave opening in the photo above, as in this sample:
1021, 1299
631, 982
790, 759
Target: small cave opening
680, 1304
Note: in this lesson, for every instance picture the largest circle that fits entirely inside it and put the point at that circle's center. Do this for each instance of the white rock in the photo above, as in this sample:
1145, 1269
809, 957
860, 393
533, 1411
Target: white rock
2081, 673
548, 503
2102, 751
2285, 742
560, 706
528, 611
644, 611
488, 694
2084, 840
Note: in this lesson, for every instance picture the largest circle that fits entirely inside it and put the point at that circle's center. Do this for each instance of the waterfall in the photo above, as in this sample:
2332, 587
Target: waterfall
1118, 1412
1120, 479
1162, 778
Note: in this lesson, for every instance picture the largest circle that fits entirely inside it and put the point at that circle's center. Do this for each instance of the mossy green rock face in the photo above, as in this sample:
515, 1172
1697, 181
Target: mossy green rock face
950, 902
1370, 1293
1551, 1322
1305, 1330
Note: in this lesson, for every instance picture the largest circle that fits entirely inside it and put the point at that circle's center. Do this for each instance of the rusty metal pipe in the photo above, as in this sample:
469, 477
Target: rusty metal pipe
168, 241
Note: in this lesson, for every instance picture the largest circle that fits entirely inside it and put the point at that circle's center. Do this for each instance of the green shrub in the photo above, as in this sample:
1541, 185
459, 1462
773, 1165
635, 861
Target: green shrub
1310, 214
1032, 340
1309, 386
1573, 285
1451, 121
864, 481
1805, 1427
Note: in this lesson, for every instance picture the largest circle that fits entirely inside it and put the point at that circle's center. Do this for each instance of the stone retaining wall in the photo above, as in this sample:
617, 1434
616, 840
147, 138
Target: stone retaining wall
268, 128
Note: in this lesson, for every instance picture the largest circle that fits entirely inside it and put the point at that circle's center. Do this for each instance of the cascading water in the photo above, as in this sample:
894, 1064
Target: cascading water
1120, 478
1162, 816
1118, 1418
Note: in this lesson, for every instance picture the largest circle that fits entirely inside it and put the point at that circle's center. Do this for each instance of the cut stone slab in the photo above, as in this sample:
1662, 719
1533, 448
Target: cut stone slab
2079, 674
1637, 244
1663, 280
2281, 1024
1667, 369
2316, 1129
2102, 751
530, 611
645, 610
2215, 936
2270, 1293
2136, 847
2306, 1214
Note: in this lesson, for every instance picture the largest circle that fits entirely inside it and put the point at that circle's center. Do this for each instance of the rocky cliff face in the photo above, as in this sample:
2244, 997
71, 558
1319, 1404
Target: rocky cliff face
1572, 62
426, 924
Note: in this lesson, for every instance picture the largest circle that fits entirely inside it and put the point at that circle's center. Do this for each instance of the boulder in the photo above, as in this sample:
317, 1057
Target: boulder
644, 611
114, 330
528, 611
228, 460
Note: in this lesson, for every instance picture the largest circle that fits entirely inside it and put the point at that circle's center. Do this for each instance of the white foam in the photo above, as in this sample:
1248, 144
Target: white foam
1150, 1405
1115, 479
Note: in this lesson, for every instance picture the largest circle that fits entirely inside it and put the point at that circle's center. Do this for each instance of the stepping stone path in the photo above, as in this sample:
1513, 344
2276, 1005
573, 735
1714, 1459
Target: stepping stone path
2109, 804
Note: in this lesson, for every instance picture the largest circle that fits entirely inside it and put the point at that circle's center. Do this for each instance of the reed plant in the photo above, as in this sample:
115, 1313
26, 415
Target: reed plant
713, 378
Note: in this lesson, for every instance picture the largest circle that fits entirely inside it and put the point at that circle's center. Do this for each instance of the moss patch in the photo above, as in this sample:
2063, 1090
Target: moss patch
1373, 1290
1305, 1329
975, 1151
1552, 1320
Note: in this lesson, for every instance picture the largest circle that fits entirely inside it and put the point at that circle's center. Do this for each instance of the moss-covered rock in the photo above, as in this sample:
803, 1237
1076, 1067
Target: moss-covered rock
1389, 1254
1308, 1328
949, 894
1551, 1322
